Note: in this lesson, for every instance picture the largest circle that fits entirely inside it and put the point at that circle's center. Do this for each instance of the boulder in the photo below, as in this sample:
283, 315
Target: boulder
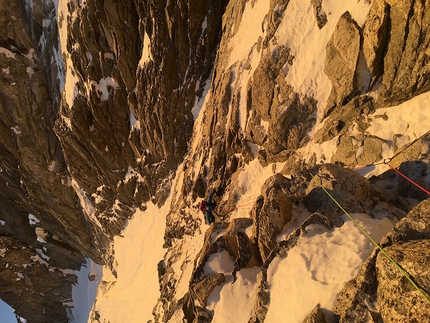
342, 54
350, 189
203, 288
271, 212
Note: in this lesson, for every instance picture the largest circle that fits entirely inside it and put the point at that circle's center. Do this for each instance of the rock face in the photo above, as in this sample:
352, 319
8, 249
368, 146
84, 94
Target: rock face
99, 101
272, 212
392, 283
346, 186
81, 161
342, 55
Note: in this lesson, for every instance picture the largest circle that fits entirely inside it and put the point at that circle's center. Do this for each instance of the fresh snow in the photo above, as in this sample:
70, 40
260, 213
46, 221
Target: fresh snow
102, 87
315, 271
250, 29
410, 119
308, 43
131, 296
233, 302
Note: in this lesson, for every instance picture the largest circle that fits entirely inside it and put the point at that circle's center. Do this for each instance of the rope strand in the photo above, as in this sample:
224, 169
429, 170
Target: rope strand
407, 178
408, 277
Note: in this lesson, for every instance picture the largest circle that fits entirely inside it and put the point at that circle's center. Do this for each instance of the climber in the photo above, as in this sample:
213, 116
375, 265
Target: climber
207, 207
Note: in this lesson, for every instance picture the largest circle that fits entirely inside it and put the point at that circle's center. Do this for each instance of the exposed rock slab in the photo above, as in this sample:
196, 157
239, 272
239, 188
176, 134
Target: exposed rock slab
342, 54
397, 298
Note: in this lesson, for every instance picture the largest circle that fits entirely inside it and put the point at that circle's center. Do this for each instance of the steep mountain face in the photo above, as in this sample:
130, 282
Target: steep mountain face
100, 102
80, 162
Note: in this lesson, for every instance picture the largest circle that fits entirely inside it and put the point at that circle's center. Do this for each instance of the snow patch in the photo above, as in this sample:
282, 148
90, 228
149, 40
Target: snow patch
42, 255
134, 123
146, 51
220, 262
32, 220
102, 87
308, 44
41, 234
86, 204
251, 28
234, 302
322, 262
199, 102
16, 130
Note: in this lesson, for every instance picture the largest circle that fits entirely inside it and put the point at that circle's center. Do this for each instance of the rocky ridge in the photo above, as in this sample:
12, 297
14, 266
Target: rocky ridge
370, 65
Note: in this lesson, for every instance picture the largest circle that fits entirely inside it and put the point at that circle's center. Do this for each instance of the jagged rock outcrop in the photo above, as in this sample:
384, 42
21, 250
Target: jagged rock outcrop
389, 57
380, 291
349, 188
316, 316
37, 291
33, 173
342, 55
375, 33
406, 62
271, 212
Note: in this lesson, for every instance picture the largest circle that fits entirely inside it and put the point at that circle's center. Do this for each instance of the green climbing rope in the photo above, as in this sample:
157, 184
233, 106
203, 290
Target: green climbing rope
375, 243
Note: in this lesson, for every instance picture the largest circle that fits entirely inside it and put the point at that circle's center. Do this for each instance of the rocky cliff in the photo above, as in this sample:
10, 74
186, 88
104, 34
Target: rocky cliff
102, 102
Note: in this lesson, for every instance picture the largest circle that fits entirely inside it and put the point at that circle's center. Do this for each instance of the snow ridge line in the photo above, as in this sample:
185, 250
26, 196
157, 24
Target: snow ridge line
404, 272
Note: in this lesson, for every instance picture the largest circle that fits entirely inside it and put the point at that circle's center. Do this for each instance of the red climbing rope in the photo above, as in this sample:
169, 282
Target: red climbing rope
407, 178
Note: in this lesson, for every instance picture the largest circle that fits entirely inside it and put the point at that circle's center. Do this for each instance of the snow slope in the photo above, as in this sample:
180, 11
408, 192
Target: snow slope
132, 294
